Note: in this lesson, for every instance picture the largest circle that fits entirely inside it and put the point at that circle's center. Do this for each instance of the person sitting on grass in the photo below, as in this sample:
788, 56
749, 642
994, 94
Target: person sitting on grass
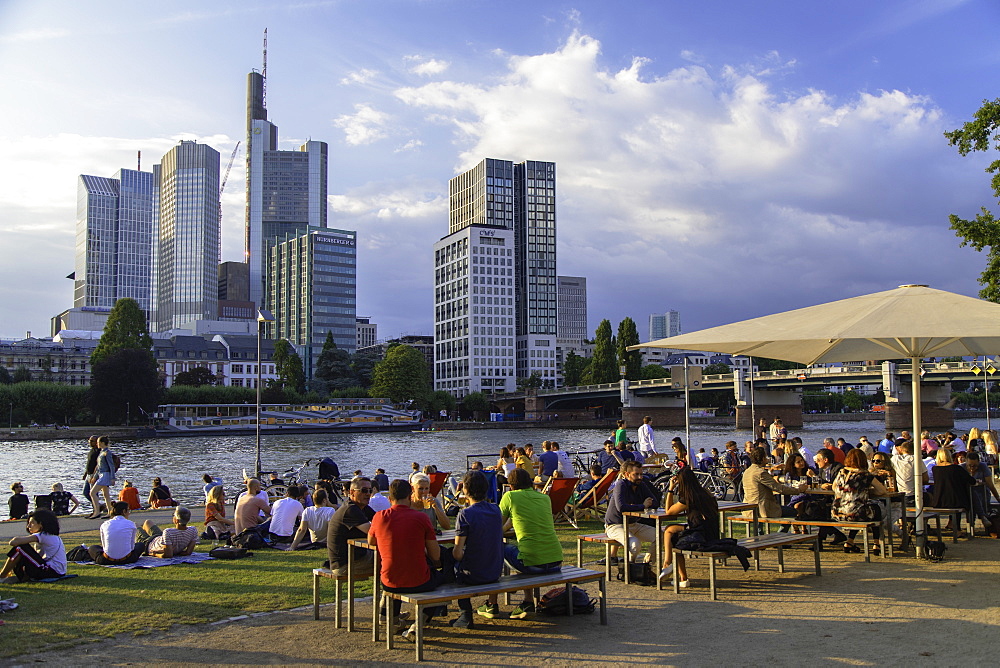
408, 550
176, 541
315, 520
118, 539
215, 513
538, 549
251, 509
686, 495
25, 562
18, 502
61, 500
284, 513
130, 495
159, 495
478, 550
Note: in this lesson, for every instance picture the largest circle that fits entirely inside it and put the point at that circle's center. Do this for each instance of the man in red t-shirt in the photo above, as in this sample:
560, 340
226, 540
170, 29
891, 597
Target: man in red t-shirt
407, 547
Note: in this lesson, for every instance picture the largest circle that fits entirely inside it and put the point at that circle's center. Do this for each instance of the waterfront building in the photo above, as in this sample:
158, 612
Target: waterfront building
286, 191
186, 252
662, 325
92, 318
497, 268
312, 288
367, 332
114, 240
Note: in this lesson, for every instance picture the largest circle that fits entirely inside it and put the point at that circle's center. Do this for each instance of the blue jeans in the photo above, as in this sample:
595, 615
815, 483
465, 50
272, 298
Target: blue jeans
511, 555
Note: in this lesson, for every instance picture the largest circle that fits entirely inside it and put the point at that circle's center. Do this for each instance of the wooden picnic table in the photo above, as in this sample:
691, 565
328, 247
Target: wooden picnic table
889, 499
659, 515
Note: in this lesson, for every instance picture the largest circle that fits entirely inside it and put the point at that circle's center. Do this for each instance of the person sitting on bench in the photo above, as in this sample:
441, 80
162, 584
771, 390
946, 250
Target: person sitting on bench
686, 495
400, 535
478, 550
538, 549
632, 493
351, 521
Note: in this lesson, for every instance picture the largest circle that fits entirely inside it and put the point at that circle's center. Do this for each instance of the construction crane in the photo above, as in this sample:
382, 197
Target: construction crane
222, 185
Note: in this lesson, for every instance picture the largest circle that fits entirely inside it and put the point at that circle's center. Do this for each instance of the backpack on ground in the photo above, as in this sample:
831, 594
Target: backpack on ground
812, 510
249, 539
78, 553
226, 552
934, 550
640, 571
556, 602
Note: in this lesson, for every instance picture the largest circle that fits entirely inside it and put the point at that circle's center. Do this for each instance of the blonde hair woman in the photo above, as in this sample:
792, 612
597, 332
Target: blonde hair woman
427, 504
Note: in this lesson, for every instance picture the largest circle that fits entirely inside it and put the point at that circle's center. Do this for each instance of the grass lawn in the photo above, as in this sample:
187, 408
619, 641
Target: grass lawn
103, 602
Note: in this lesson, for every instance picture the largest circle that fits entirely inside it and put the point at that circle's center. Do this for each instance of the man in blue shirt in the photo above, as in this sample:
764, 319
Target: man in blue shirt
887, 444
632, 493
478, 550
607, 459
549, 460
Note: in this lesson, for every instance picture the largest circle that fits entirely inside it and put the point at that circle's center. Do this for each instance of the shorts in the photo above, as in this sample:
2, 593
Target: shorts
512, 556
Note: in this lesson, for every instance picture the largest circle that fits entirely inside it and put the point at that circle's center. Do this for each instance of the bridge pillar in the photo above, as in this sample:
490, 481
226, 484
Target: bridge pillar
769, 404
665, 411
899, 408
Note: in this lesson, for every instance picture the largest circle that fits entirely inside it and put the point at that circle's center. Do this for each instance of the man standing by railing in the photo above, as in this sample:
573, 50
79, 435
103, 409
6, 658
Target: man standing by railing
647, 441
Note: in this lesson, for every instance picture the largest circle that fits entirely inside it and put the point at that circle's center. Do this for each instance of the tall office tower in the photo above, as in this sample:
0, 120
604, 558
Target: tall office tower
234, 292
286, 190
186, 251
572, 318
662, 325
114, 240
497, 266
312, 285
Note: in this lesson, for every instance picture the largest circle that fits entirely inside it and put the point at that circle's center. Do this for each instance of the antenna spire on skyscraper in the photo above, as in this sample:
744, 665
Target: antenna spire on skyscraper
263, 72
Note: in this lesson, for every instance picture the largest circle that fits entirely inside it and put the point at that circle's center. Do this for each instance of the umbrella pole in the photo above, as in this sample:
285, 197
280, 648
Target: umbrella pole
687, 414
918, 483
753, 409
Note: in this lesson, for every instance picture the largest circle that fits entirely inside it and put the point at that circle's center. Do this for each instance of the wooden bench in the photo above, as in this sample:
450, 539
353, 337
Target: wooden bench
864, 527
319, 574
755, 544
446, 593
596, 538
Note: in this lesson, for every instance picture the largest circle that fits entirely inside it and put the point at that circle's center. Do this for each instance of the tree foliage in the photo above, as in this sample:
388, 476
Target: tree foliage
477, 404
983, 232
402, 376
209, 394
532, 382
715, 369
573, 367
334, 365
288, 365
628, 335
125, 380
5, 377
21, 375
602, 365
768, 364
441, 401
652, 371
195, 377
44, 403
126, 328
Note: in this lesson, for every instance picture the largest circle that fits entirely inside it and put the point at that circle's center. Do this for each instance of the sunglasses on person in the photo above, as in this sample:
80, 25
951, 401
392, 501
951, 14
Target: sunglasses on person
364, 490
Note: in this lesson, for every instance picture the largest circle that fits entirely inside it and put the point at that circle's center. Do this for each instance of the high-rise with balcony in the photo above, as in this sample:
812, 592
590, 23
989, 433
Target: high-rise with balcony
495, 279
114, 240
285, 190
187, 247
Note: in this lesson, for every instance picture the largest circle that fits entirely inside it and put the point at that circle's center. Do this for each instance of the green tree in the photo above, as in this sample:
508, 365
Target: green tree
288, 365
532, 382
768, 364
652, 371
477, 404
126, 328
852, 401
717, 368
334, 365
982, 134
127, 379
602, 365
362, 366
5, 378
402, 376
573, 366
441, 401
196, 377
628, 335
22, 375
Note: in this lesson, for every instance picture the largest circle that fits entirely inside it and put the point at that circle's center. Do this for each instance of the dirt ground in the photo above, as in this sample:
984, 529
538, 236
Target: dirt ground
886, 613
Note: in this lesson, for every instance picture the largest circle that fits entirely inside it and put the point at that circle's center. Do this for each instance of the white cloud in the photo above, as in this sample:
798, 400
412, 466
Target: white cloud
427, 66
365, 126
698, 177
34, 35
362, 76
409, 146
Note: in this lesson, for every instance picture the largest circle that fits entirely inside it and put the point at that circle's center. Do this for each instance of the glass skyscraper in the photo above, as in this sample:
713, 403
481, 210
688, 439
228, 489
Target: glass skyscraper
662, 325
187, 248
114, 240
312, 287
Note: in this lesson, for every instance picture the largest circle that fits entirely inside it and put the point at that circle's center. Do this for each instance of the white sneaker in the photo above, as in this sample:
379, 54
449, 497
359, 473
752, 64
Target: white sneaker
665, 573
684, 584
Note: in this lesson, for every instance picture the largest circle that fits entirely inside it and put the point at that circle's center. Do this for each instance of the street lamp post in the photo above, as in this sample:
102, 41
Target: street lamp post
263, 317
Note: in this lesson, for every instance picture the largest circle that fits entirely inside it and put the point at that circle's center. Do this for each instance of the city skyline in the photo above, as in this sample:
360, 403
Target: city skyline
706, 153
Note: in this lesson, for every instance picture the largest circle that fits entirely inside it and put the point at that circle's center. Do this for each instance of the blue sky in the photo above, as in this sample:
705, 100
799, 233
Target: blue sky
726, 159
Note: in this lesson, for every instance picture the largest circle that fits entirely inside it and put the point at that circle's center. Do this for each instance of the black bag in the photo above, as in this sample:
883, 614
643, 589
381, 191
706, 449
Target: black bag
556, 602
116, 461
812, 510
229, 553
639, 573
934, 550
249, 539
78, 553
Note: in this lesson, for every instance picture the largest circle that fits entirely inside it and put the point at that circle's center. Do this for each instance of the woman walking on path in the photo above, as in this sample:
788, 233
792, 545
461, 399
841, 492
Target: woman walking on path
91, 468
102, 479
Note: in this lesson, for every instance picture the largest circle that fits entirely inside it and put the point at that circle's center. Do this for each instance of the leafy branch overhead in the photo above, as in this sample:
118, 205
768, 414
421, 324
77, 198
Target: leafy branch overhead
982, 232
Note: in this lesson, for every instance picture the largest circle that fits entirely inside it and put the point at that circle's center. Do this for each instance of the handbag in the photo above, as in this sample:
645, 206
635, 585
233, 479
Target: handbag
228, 552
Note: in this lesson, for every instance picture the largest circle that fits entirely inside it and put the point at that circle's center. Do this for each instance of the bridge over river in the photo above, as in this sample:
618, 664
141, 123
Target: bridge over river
768, 394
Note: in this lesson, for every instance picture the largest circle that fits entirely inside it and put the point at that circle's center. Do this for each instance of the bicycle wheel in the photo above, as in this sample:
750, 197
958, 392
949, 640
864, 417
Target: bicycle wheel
275, 492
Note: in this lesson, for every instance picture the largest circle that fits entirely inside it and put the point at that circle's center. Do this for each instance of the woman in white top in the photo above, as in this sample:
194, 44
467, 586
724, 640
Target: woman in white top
315, 519
507, 462
46, 559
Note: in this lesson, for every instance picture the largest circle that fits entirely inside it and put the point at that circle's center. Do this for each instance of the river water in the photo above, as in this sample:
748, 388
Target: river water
181, 461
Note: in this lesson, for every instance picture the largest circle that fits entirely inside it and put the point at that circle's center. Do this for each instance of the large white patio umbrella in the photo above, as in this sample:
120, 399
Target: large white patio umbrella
911, 321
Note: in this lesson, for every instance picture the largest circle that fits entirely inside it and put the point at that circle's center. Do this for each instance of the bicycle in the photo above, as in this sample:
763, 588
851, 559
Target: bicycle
293, 476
